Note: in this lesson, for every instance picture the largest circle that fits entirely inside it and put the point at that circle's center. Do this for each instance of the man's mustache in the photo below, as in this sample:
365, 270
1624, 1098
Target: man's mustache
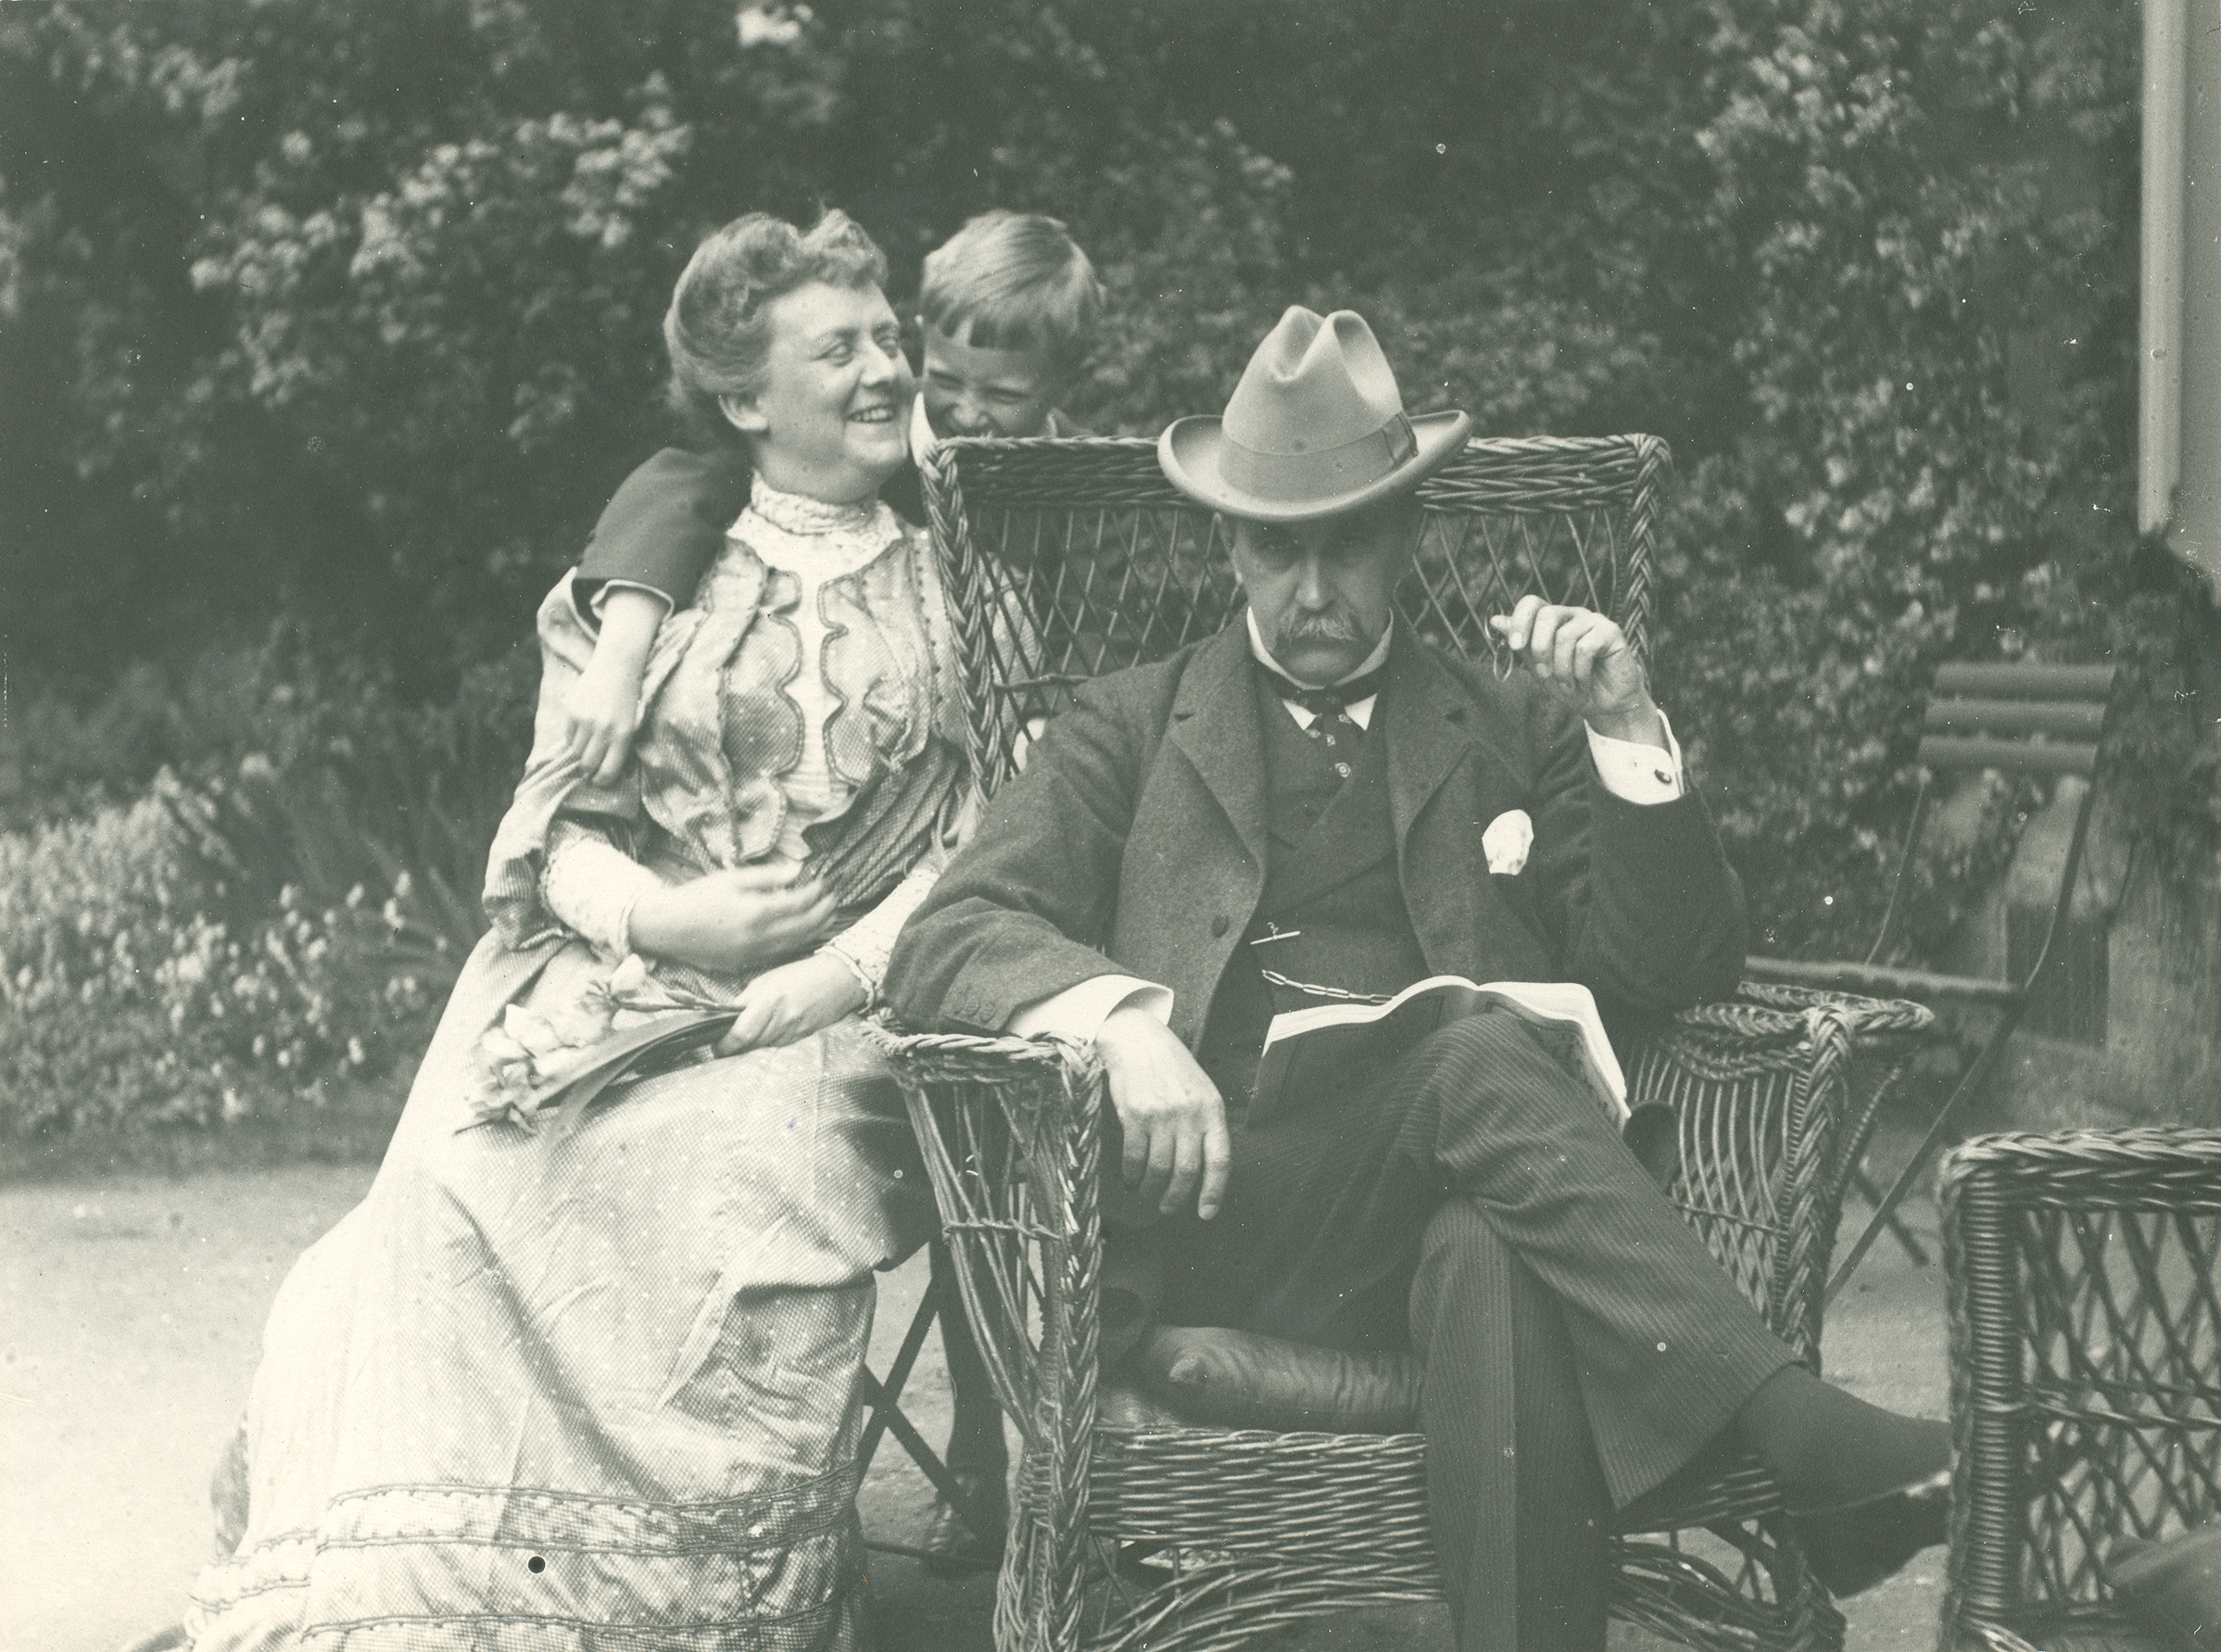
1328, 626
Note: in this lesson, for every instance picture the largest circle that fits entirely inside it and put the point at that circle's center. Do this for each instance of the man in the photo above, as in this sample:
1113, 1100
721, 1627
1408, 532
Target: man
1314, 804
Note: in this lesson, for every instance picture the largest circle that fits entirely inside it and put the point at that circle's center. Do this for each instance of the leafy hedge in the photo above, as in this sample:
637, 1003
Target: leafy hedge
257, 935
353, 313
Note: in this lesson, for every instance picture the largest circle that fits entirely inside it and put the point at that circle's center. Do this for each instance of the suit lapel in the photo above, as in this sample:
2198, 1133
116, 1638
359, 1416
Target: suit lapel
1431, 726
1440, 741
1215, 726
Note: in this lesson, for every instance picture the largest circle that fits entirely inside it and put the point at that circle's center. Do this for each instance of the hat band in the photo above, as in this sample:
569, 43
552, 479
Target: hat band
1291, 478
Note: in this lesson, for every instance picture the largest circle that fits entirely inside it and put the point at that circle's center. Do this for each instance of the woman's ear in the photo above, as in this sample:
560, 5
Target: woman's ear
743, 414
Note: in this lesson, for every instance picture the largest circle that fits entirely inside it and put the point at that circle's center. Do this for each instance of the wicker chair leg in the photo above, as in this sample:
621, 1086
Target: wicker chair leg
1815, 1626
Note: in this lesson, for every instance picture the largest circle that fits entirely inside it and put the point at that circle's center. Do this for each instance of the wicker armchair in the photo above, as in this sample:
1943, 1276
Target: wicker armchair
2085, 1371
1064, 559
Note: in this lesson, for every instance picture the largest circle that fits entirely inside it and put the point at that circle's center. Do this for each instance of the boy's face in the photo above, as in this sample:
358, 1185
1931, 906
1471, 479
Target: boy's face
975, 392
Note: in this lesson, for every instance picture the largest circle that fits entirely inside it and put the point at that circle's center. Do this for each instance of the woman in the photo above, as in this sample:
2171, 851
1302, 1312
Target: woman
594, 1382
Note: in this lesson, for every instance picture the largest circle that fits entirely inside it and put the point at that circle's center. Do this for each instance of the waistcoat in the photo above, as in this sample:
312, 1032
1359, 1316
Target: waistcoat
1331, 915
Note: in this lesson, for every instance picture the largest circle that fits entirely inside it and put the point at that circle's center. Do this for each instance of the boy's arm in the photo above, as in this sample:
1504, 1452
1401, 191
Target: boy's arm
656, 539
663, 527
604, 703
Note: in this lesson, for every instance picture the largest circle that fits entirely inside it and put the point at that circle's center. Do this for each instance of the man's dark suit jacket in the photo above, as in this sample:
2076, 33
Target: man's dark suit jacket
1135, 841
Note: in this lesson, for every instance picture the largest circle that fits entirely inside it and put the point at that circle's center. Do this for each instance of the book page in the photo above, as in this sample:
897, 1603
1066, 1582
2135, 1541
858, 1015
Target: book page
1565, 1004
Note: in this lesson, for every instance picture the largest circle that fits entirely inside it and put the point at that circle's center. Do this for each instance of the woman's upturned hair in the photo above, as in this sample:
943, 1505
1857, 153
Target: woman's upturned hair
716, 331
1013, 281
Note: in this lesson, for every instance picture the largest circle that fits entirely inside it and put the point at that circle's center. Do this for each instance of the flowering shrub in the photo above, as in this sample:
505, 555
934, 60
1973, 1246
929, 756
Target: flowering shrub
368, 345
124, 999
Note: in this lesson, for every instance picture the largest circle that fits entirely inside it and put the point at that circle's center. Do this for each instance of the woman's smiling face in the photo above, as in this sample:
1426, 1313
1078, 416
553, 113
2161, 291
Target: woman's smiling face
832, 419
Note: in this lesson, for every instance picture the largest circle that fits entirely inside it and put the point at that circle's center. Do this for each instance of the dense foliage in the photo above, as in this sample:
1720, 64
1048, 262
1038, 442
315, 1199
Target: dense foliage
343, 319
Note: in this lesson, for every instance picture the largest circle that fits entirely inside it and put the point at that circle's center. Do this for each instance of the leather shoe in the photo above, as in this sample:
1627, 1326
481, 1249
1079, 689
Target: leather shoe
952, 1546
1852, 1546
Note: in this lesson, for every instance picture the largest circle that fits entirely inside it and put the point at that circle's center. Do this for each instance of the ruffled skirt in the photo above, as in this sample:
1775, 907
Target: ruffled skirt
589, 1393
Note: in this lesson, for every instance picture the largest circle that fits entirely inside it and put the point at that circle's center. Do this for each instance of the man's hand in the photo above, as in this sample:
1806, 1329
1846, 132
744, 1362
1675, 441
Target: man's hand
1171, 1113
1587, 660
793, 1002
741, 918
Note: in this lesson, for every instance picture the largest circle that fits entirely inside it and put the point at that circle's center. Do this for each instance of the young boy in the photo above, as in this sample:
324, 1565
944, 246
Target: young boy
1007, 309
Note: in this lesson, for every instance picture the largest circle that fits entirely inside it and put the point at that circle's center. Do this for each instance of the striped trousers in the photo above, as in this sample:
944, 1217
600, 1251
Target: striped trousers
1476, 1205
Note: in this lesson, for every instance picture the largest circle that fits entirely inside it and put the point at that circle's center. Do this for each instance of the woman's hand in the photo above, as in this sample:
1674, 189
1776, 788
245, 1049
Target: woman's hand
793, 1002
735, 920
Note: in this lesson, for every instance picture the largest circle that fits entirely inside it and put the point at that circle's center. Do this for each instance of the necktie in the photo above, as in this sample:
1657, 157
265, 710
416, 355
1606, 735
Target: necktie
1331, 725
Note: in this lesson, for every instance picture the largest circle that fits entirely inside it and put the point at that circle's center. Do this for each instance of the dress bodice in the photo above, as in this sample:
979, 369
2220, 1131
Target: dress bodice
815, 657
807, 703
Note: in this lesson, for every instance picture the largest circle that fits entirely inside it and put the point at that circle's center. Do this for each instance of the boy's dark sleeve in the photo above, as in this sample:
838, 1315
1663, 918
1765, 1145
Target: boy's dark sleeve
664, 525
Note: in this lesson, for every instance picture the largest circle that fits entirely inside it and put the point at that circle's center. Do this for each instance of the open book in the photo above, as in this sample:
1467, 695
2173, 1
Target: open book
1564, 1009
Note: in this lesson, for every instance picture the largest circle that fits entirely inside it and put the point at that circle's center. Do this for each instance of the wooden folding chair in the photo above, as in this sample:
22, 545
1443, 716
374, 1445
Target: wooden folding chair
1064, 559
884, 1399
2086, 1374
2024, 720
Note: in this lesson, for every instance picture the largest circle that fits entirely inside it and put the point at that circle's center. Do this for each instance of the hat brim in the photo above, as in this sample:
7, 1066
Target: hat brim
1189, 453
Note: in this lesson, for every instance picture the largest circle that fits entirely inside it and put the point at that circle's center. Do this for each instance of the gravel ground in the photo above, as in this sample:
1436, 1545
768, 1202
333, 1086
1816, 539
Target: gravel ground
132, 1309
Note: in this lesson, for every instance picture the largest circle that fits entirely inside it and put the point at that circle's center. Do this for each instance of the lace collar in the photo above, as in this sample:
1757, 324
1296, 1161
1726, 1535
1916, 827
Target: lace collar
799, 514
803, 536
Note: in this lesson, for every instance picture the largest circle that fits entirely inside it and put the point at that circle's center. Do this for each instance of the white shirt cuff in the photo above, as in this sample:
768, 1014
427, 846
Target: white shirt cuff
1641, 773
1078, 1012
601, 594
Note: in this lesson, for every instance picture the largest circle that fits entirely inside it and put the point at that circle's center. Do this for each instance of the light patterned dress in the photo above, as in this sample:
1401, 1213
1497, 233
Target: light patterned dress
599, 1388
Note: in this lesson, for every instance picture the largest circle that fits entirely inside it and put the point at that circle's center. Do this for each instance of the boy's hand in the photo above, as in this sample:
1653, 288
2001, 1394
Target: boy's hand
603, 707
793, 1002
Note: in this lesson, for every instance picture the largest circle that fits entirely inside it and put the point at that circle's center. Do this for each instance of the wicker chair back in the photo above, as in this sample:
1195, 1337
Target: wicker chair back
2086, 1368
1070, 559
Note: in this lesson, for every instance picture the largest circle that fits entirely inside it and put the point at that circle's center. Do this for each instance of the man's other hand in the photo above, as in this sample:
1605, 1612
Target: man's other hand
1587, 658
1173, 1120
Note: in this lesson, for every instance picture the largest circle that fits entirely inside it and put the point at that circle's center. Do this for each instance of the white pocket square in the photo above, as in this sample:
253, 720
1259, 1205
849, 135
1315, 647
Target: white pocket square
1507, 841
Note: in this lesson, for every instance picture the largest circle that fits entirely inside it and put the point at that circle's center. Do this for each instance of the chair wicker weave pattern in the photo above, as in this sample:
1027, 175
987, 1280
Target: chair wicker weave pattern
1066, 560
2086, 1366
1051, 593
1755, 1081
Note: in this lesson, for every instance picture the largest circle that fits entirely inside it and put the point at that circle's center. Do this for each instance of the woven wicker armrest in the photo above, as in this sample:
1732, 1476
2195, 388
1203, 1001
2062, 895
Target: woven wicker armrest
1009, 1130
1772, 1093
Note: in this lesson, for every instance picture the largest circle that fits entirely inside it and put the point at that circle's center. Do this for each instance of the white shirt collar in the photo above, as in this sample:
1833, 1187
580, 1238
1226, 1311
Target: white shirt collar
1358, 710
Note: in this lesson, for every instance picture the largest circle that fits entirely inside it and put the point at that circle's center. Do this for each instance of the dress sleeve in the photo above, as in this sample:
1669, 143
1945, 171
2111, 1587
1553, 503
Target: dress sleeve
864, 945
591, 885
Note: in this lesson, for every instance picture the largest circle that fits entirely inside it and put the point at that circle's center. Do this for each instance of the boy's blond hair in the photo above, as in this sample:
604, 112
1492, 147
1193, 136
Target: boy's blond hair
1013, 281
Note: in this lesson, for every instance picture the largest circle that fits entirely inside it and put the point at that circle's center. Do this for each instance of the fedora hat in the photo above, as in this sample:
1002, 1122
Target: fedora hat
1316, 427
